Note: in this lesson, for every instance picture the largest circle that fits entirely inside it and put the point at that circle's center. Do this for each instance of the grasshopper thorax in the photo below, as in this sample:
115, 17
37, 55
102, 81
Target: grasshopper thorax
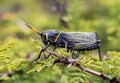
50, 36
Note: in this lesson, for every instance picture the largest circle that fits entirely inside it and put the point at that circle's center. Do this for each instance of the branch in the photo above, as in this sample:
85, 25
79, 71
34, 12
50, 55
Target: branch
67, 61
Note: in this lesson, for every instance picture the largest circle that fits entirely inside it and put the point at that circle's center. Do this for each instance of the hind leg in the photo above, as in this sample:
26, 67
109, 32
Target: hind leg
100, 56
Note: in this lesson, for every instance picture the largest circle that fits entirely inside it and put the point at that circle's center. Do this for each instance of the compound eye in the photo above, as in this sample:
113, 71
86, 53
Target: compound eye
43, 35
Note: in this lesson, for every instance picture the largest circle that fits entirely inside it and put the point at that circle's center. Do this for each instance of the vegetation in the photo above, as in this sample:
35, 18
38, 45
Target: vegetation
19, 46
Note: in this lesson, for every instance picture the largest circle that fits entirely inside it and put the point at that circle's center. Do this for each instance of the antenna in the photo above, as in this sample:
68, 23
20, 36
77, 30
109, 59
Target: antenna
30, 26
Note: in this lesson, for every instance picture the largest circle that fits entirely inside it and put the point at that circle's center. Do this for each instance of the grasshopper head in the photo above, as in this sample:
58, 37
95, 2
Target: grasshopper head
44, 37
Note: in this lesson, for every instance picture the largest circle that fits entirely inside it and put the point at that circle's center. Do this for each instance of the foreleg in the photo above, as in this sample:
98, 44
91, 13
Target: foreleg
100, 56
44, 48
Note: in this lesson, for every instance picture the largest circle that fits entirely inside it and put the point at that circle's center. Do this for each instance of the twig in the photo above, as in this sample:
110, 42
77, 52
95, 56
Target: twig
67, 61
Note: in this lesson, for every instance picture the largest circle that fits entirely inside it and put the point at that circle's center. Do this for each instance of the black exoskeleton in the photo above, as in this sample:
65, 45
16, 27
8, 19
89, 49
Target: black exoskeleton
72, 41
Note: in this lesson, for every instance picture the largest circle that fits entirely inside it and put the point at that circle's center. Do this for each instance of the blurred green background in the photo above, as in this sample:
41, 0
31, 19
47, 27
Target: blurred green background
18, 46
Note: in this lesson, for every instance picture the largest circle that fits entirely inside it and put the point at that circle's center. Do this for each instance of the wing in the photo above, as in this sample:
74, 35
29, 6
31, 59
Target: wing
80, 38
